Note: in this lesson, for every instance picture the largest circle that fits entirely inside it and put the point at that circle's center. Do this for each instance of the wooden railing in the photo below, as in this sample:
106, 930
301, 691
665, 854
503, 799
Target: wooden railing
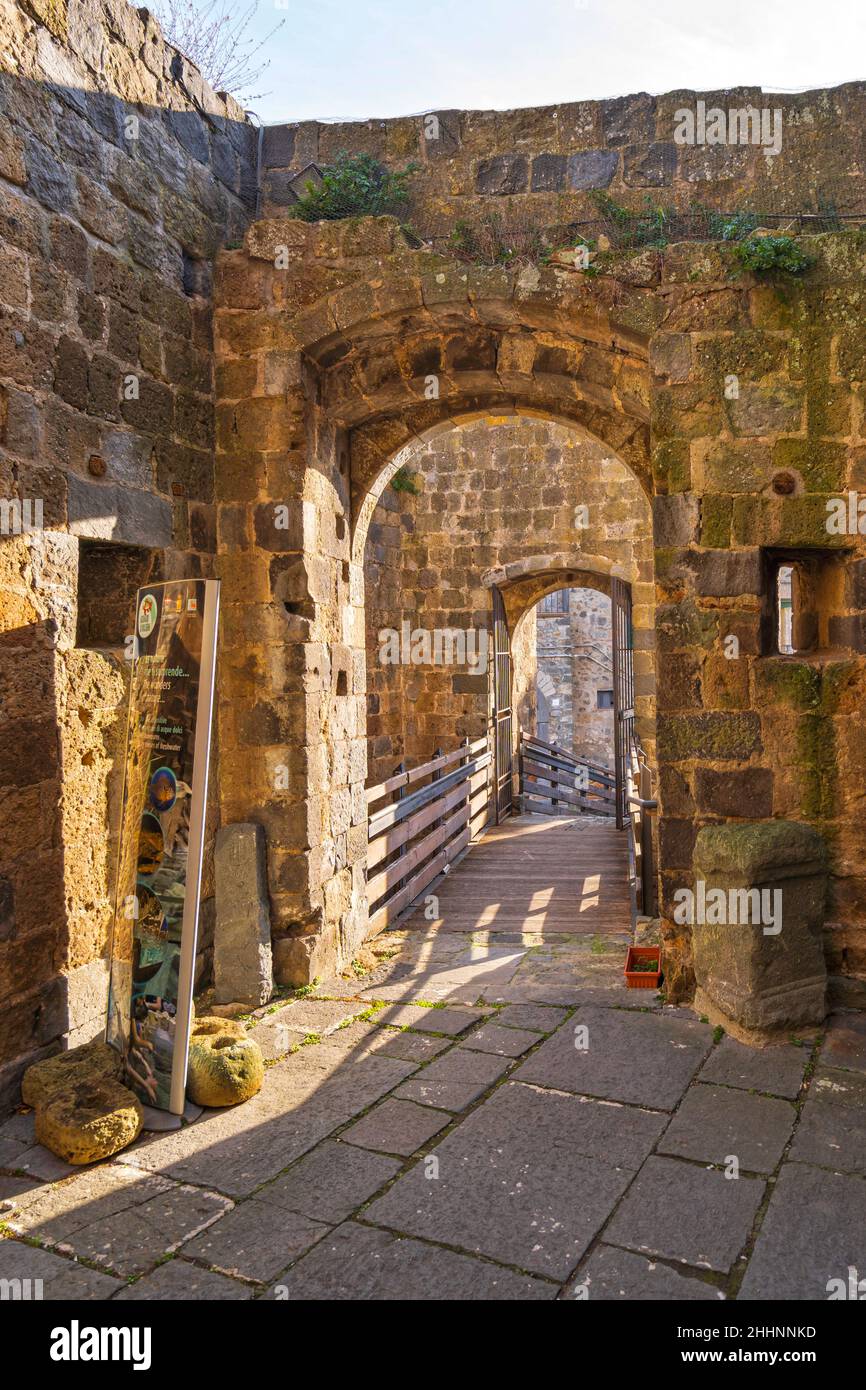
428, 817
551, 779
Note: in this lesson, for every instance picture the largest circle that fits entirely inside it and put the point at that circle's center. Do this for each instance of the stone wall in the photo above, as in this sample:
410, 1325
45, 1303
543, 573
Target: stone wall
574, 663
121, 173
538, 168
121, 176
487, 496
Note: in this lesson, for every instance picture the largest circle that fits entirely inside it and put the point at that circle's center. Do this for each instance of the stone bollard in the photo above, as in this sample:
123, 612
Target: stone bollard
243, 965
758, 953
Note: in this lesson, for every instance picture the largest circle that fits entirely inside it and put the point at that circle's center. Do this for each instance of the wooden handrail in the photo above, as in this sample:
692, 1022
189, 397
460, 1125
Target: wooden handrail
415, 774
417, 834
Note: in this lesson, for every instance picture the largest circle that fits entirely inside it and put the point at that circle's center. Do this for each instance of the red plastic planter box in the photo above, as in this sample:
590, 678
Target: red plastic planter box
643, 979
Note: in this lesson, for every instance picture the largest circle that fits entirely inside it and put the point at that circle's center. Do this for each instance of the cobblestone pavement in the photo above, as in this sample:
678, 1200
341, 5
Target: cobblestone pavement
479, 1119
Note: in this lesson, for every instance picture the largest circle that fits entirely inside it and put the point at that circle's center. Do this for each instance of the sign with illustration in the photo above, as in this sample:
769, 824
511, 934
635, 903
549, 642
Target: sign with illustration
162, 836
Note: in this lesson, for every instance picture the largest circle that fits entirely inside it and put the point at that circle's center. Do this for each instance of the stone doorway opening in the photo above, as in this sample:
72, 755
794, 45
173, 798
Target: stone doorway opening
569, 702
525, 509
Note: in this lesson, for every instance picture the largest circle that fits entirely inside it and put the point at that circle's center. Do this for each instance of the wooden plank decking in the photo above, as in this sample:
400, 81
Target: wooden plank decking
537, 874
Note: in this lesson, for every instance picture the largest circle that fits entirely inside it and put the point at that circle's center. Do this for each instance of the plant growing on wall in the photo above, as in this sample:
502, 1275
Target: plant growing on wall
772, 253
404, 481
764, 254
488, 241
355, 185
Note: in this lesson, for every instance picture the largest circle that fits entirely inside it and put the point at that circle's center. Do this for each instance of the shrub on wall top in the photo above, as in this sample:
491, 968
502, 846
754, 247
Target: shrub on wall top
355, 185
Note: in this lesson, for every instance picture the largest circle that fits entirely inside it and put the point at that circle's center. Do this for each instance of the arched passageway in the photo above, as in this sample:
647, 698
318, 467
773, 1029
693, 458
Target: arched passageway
513, 510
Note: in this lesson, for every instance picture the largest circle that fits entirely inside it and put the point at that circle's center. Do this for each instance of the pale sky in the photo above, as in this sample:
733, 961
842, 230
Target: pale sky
358, 58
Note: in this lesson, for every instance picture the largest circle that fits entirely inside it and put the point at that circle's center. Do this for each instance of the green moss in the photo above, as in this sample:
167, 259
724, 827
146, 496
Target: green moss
708, 735
803, 521
815, 757
750, 354
793, 683
671, 464
820, 463
747, 520
404, 481
681, 625
716, 515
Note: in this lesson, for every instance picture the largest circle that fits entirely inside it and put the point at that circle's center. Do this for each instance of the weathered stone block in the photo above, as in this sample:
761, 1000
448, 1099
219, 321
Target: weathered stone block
762, 965
243, 965
726, 573
591, 169
91, 1120
225, 1065
709, 735
735, 793
504, 173
278, 146
548, 173
93, 1062
649, 166
676, 518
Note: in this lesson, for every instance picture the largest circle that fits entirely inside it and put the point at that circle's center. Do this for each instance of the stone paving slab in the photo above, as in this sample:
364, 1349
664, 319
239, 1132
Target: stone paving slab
642, 1059
400, 1015
255, 1240
41, 1163
52, 1212
331, 1182
473, 973
584, 980
362, 1265
19, 1149
832, 1128
682, 1212
503, 1042
715, 1122
116, 1216
845, 1042
450, 1022
455, 1080
535, 1017
396, 1127
777, 1071
814, 1230
284, 1028
528, 1179
356, 1039
613, 1274
61, 1278
304, 1099
181, 1281
14, 1186
413, 1047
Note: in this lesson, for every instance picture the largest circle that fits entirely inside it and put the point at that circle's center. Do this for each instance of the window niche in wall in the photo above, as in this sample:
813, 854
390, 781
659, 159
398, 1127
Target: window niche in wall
803, 597
108, 576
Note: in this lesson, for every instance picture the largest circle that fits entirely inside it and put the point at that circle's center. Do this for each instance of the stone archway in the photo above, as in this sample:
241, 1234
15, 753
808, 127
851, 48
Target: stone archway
404, 345
488, 497
337, 347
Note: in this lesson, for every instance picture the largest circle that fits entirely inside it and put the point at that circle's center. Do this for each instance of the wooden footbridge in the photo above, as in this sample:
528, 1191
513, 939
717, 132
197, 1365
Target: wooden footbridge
554, 856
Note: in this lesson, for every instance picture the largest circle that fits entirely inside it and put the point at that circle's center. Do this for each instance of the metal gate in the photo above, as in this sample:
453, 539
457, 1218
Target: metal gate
503, 747
623, 691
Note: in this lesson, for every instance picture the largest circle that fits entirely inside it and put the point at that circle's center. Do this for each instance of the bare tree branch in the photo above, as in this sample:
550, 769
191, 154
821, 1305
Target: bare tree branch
217, 41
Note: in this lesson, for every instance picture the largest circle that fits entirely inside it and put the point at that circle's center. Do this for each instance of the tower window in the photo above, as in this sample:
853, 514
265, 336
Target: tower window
554, 603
